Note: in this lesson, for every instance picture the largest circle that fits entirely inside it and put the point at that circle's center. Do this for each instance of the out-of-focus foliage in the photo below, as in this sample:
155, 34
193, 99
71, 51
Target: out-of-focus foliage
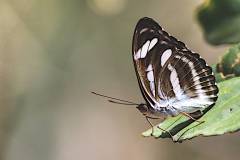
229, 65
221, 118
53, 53
220, 20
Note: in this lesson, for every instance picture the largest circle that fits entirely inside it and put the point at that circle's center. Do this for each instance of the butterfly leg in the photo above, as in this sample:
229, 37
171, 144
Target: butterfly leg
186, 131
189, 116
147, 118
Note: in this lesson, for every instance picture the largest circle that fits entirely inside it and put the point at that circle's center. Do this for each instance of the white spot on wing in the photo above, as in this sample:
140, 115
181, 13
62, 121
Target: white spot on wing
197, 86
177, 56
143, 30
144, 50
163, 42
137, 55
150, 68
152, 87
194, 73
152, 43
175, 81
150, 76
165, 56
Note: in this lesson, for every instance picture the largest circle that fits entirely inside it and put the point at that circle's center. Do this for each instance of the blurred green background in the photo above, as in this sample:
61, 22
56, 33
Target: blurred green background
53, 53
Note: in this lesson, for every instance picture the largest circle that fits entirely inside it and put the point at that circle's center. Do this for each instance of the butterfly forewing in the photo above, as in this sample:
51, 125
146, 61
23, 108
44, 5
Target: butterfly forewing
169, 74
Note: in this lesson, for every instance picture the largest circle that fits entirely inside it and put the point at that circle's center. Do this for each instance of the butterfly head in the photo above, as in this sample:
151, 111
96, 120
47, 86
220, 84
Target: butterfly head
143, 108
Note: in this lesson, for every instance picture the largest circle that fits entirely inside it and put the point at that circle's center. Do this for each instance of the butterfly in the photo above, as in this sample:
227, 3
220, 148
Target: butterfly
173, 80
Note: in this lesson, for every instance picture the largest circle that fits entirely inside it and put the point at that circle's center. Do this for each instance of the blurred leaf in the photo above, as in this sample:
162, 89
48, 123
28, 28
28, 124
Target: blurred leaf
220, 20
229, 65
218, 75
221, 118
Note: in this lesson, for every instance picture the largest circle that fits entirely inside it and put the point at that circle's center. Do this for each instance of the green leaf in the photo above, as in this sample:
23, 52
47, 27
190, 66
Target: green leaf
229, 65
222, 118
219, 76
220, 20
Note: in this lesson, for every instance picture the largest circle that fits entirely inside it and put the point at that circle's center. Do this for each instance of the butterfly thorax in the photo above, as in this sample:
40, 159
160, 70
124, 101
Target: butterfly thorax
157, 112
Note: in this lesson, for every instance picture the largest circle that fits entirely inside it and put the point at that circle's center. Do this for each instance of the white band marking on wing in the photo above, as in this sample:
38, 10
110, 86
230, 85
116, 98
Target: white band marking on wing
150, 77
138, 54
149, 68
142, 52
152, 43
196, 78
175, 81
152, 87
145, 49
165, 56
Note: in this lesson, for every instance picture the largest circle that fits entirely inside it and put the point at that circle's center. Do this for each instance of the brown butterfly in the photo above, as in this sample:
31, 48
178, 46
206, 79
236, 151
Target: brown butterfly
173, 79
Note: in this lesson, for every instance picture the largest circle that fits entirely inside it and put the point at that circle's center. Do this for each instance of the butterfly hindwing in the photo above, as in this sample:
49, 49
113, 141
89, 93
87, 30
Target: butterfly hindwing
169, 74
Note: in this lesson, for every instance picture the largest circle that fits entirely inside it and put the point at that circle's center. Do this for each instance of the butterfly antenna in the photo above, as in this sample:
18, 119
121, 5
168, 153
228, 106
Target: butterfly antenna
115, 102
124, 102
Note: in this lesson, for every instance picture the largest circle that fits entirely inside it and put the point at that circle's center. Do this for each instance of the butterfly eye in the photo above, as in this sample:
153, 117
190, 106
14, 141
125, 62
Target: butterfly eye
142, 108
